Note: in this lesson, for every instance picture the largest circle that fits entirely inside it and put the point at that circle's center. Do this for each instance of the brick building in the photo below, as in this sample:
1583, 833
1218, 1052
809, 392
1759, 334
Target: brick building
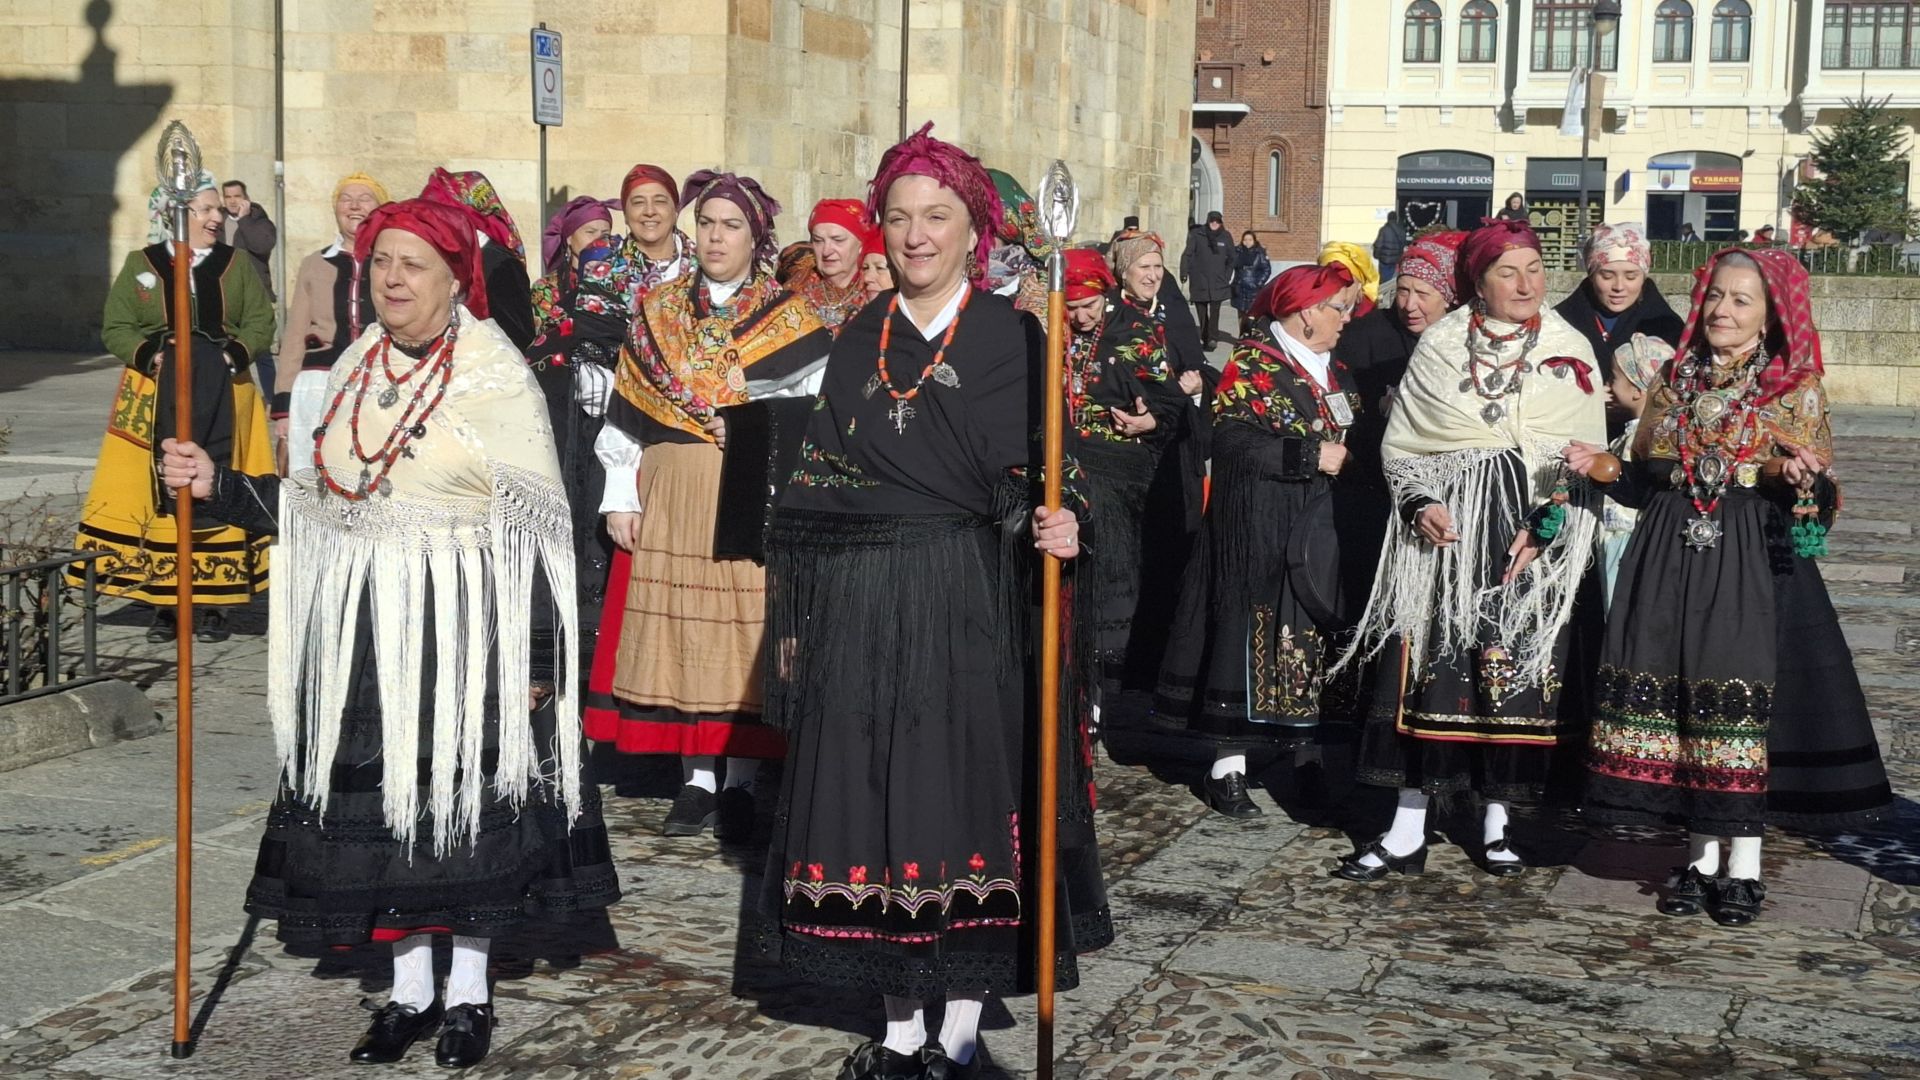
1259, 119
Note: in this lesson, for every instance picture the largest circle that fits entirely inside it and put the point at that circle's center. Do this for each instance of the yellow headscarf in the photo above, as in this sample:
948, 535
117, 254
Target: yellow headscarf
379, 189
1354, 258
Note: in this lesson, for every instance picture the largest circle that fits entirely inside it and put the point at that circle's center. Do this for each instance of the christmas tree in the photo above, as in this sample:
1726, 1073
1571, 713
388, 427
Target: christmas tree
1863, 173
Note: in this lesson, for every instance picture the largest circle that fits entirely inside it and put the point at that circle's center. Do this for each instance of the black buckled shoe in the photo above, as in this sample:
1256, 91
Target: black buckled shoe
735, 815
1735, 901
1513, 867
1686, 893
1228, 795
395, 1027
1352, 869
694, 811
871, 1061
465, 1037
936, 1065
164, 627
210, 625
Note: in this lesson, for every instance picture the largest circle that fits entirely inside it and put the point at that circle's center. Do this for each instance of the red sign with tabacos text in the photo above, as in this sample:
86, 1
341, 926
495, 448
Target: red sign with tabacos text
1716, 179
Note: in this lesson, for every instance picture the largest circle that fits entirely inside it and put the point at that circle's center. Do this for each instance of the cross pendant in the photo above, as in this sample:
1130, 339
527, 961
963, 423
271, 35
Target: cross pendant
900, 414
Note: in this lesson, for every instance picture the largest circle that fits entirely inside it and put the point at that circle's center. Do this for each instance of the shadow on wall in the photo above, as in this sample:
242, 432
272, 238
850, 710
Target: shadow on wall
68, 140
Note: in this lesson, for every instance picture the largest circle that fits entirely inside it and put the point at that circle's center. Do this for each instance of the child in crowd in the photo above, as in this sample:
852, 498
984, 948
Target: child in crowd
1638, 367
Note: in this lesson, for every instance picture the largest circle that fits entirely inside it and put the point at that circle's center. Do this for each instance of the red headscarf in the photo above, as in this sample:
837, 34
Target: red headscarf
849, 214
1087, 274
474, 194
1792, 341
872, 242
649, 174
923, 155
1433, 259
446, 228
1484, 246
1300, 288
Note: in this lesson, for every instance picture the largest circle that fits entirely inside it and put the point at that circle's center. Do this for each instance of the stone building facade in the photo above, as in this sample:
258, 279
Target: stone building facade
1259, 119
804, 94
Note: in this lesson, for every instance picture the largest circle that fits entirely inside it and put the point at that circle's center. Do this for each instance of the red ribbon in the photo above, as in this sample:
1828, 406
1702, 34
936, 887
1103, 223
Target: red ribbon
1582, 371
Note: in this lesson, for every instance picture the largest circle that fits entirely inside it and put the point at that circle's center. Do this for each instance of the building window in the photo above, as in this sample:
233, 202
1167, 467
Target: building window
1423, 33
1276, 178
1732, 32
1562, 30
1479, 32
1208, 9
1877, 35
1673, 32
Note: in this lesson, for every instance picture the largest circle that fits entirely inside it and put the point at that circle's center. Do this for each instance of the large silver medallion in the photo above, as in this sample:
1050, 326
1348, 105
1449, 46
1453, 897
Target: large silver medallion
1493, 412
1746, 474
1711, 470
944, 374
1494, 381
1709, 408
389, 396
1701, 533
1341, 406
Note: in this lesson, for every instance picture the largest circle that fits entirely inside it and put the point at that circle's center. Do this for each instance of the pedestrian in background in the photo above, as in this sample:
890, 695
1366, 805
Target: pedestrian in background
1251, 269
1389, 244
249, 229
1206, 268
1515, 210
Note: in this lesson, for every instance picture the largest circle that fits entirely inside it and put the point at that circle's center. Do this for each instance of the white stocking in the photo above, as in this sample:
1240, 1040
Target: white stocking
1743, 860
906, 1025
960, 1028
1703, 854
1228, 764
700, 772
1494, 829
413, 971
1409, 828
467, 982
741, 771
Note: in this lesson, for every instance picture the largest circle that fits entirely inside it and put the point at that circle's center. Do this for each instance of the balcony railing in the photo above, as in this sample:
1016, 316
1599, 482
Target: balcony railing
1866, 57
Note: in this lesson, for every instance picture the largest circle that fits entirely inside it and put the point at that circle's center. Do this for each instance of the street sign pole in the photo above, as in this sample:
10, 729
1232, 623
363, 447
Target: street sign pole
549, 97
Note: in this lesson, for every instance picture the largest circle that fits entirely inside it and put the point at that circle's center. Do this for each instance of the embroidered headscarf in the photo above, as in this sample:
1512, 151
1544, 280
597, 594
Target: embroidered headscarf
446, 228
1791, 339
379, 190
744, 192
849, 214
920, 154
1300, 288
472, 192
1625, 242
1432, 259
582, 210
1643, 360
1131, 246
1087, 274
1485, 245
1019, 218
160, 209
795, 264
1358, 262
644, 173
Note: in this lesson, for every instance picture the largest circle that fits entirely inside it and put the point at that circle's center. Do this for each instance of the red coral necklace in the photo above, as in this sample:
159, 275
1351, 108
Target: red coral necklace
434, 372
939, 370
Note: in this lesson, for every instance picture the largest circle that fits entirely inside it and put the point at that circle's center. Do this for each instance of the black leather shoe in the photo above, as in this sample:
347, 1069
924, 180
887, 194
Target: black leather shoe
394, 1029
694, 811
1352, 869
735, 810
1513, 867
871, 1061
936, 1065
163, 628
1228, 795
210, 625
464, 1037
1686, 893
1735, 901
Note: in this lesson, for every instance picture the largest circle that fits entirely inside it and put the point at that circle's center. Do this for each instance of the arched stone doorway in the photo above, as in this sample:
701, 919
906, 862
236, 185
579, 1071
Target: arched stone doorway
1204, 190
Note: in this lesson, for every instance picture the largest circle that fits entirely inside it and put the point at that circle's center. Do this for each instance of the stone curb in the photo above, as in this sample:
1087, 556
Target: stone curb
73, 718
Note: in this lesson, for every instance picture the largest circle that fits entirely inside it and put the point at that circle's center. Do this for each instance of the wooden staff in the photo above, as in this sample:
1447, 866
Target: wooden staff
1058, 203
180, 168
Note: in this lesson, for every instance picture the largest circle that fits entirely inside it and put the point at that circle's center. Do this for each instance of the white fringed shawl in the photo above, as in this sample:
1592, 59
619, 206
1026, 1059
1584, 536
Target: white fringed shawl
471, 515
1439, 446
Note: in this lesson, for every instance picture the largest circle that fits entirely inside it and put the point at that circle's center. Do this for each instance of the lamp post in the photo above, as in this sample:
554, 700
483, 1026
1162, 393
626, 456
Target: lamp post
1602, 18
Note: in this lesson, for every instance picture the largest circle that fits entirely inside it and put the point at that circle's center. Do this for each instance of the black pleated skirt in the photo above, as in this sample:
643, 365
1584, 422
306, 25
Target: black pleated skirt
1119, 475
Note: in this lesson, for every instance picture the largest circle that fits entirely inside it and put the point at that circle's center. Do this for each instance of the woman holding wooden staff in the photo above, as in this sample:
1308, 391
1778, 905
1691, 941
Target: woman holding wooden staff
898, 579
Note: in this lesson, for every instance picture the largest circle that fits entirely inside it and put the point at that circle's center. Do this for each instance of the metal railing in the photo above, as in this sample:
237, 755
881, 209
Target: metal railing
1861, 260
37, 602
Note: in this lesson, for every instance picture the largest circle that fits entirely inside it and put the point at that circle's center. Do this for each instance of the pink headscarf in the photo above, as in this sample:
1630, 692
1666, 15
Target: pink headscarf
960, 172
582, 210
1485, 245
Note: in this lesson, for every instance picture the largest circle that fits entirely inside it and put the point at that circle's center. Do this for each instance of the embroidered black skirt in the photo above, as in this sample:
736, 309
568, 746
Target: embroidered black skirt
903, 851
341, 878
1119, 474
1728, 699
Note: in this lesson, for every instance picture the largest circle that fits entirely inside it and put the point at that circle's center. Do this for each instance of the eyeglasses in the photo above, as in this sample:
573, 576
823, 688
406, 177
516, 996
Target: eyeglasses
1339, 309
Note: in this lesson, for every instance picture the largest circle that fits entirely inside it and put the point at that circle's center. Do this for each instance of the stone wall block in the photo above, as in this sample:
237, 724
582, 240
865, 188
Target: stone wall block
1855, 385
1909, 387
835, 35
1838, 313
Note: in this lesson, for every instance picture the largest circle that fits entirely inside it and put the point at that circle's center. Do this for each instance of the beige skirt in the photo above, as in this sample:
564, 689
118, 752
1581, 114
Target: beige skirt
691, 638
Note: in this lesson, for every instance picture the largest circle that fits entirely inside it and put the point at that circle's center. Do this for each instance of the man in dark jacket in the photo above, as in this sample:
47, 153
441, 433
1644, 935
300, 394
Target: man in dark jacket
249, 229
1206, 268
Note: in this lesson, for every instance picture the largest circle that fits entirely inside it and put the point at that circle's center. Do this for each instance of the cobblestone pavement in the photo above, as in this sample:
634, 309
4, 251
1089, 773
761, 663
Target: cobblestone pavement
1238, 956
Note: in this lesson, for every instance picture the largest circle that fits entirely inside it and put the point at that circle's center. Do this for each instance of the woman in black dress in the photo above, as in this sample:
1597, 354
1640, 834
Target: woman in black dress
431, 753
1261, 599
1727, 695
898, 575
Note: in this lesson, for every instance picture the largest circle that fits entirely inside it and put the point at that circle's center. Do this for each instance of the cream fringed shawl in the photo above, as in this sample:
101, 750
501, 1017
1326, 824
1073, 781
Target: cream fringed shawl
471, 515
1439, 446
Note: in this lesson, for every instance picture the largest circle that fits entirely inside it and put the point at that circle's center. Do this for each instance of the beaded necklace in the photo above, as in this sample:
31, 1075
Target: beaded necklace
939, 370
1490, 378
1720, 422
437, 365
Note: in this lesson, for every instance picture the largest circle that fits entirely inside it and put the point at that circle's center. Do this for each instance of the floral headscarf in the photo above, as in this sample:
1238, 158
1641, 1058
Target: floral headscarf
1610, 243
1432, 259
160, 209
1131, 247
473, 192
1019, 218
744, 192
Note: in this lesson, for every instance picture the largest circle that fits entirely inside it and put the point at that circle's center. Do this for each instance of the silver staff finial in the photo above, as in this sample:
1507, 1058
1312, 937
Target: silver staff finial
178, 165
1059, 204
